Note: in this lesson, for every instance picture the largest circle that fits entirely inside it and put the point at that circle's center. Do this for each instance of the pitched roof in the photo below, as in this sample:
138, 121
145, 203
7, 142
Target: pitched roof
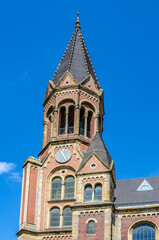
126, 192
97, 147
76, 59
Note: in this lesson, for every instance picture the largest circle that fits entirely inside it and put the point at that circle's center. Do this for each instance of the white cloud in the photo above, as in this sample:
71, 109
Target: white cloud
15, 176
6, 167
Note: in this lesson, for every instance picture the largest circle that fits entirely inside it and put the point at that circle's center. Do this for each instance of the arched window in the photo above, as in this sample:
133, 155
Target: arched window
143, 232
89, 124
55, 217
81, 127
71, 120
69, 187
91, 227
62, 120
56, 188
98, 193
88, 193
67, 217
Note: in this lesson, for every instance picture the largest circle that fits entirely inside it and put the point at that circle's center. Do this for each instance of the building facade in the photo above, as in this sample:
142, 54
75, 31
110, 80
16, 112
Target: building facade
70, 192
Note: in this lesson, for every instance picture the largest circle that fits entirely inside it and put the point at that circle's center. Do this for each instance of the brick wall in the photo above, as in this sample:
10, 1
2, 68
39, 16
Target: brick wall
32, 195
99, 226
128, 221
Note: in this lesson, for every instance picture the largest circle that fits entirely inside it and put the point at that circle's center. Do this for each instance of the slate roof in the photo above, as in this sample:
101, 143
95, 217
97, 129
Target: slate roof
126, 192
76, 59
97, 147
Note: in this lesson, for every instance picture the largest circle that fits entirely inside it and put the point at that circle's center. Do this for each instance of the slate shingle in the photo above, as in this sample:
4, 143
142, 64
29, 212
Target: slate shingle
76, 60
126, 192
98, 147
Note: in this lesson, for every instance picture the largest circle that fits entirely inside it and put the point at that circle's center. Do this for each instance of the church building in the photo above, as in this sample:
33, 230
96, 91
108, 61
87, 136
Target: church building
70, 191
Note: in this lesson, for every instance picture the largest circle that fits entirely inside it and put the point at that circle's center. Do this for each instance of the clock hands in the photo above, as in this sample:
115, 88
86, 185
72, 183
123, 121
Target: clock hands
62, 154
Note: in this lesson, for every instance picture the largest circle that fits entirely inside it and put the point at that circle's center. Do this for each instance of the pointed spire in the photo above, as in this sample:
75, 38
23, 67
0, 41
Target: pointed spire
76, 59
97, 147
78, 22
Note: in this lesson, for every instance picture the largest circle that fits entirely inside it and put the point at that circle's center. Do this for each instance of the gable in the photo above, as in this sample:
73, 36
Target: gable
93, 165
89, 83
66, 80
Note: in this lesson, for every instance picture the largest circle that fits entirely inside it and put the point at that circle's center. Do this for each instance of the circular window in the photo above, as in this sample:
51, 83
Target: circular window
63, 171
67, 82
93, 165
89, 86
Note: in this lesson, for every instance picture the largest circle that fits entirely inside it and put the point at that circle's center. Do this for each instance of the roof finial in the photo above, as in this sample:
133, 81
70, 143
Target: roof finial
77, 21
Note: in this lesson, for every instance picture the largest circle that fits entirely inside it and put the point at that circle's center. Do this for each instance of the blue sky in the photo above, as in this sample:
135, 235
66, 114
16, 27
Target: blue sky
122, 38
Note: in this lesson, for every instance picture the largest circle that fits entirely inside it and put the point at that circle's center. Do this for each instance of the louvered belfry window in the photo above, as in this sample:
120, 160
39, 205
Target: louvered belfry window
62, 120
91, 227
143, 232
98, 193
89, 118
88, 193
67, 217
69, 188
71, 120
56, 188
55, 217
81, 127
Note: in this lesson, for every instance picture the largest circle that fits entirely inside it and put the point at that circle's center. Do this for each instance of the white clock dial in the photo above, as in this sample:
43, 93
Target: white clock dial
63, 155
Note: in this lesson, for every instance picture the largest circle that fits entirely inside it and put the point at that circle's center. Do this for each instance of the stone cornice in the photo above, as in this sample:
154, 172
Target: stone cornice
65, 141
32, 160
136, 209
90, 206
69, 88
59, 231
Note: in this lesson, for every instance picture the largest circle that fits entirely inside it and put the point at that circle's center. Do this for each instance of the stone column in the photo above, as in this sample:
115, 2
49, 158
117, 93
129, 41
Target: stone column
26, 192
85, 123
62, 189
54, 134
45, 122
66, 121
96, 122
77, 120
51, 126
61, 218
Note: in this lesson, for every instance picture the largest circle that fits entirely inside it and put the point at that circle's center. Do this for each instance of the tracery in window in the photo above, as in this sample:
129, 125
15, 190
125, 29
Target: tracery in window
55, 217
56, 188
71, 120
143, 232
67, 217
88, 193
98, 193
69, 188
62, 120
81, 127
91, 227
89, 118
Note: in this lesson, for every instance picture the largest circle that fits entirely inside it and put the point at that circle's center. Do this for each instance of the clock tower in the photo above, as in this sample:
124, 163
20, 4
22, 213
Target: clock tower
68, 191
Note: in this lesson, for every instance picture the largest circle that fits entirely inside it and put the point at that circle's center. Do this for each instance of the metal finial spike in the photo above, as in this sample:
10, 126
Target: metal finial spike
77, 21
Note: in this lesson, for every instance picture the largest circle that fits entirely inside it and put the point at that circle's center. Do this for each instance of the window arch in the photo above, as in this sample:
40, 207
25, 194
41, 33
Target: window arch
82, 124
71, 120
89, 118
62, 120
98, 193
69, 187
143, 232
67, 217
56, 188
91, 227
55, 217
88, 193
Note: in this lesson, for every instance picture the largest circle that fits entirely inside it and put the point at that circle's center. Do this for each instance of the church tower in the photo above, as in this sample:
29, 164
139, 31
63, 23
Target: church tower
68, 192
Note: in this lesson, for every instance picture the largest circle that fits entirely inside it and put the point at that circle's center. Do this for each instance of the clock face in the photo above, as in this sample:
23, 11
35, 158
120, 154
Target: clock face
63, 155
